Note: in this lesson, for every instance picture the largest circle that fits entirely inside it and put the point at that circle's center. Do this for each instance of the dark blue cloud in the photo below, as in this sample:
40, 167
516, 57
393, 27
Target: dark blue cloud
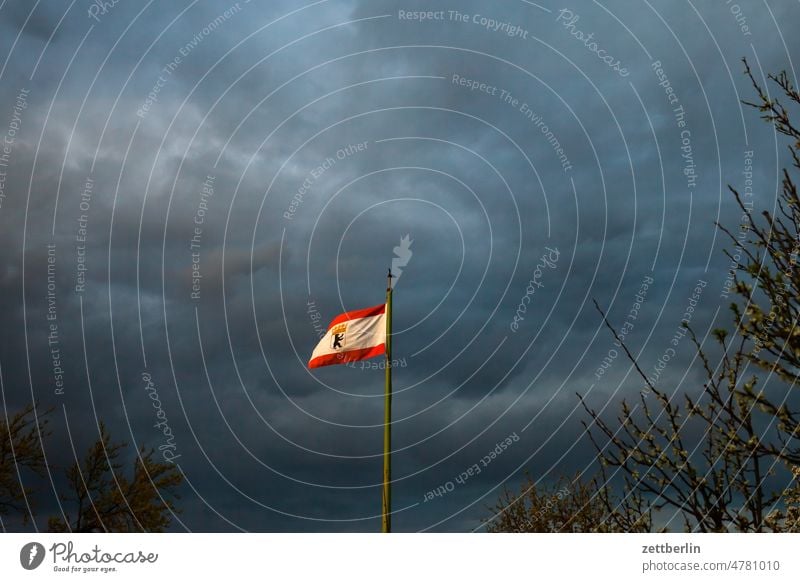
149, 100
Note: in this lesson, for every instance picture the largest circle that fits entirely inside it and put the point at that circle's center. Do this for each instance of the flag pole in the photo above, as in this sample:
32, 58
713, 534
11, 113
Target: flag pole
386, 520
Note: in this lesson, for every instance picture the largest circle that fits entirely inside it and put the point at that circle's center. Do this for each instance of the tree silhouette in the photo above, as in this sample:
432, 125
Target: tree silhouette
570, 505
712, 459
105, 500
720, 481
770, 325
698, 457
21, 456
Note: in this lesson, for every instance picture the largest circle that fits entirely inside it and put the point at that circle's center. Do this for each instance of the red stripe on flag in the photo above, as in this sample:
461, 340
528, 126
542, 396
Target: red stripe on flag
345, 357
358, 314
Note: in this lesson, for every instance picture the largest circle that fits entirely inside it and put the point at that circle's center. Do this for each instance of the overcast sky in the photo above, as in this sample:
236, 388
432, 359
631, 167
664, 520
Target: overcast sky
295, 144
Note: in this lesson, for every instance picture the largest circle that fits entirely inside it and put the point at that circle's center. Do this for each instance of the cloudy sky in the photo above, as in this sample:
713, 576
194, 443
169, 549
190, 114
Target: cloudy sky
274, 154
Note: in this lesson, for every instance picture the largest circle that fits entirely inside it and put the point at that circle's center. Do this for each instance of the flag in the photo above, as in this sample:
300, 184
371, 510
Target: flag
352, 336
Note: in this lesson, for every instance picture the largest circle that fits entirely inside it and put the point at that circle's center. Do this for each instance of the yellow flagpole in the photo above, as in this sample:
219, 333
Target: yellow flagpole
386, 521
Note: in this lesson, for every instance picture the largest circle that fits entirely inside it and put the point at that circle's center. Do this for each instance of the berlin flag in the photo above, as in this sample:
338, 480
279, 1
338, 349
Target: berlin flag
352, 336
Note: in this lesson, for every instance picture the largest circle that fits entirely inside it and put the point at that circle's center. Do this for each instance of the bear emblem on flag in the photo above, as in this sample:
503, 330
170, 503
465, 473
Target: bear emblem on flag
338, 335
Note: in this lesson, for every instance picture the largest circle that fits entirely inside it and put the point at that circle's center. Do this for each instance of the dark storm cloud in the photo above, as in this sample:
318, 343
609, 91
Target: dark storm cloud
264, 442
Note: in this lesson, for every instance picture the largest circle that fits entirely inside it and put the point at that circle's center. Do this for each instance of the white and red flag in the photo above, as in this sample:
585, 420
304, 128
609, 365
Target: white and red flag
352, 336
